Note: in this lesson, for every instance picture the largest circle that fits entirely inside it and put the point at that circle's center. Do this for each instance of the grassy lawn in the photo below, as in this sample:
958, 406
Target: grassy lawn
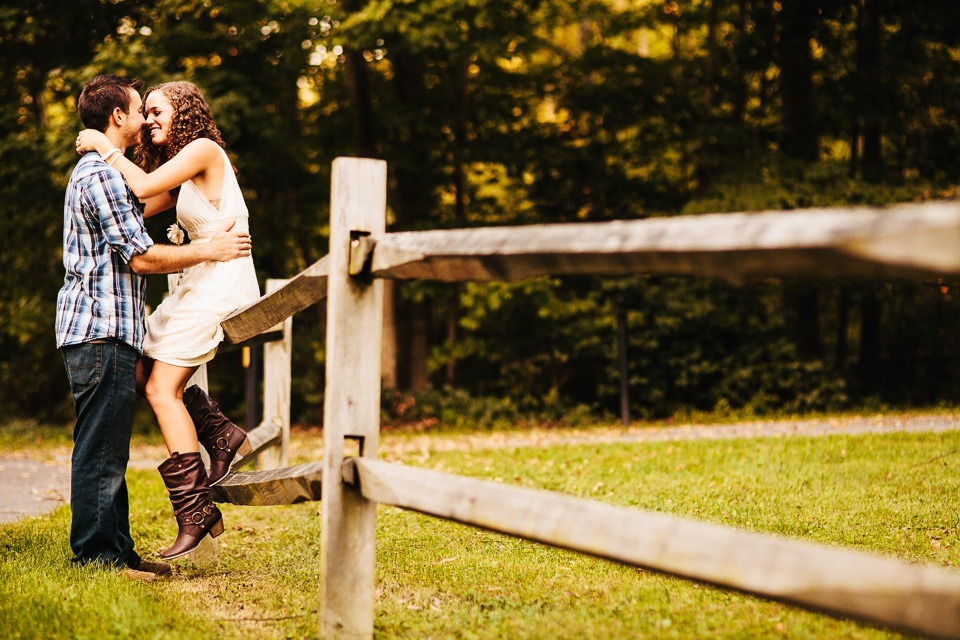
435, 579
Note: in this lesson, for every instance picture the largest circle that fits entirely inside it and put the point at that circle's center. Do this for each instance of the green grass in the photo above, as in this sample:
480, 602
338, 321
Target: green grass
27, 435
436, 579
32, 437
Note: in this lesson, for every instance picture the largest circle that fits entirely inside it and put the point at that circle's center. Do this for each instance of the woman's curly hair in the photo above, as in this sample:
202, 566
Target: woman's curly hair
191, 120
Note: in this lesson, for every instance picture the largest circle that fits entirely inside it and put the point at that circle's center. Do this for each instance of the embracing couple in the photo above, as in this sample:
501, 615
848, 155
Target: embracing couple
111, 351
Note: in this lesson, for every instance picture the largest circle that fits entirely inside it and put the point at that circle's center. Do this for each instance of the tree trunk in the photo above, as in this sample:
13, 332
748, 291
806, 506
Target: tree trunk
800, 138
739, 82
803, 301
411, 191
460, 149
843, 325
868, 103
869, 336
413, 346
420, 346
854, 167
388, 353
453, 320
358, 86
711, 61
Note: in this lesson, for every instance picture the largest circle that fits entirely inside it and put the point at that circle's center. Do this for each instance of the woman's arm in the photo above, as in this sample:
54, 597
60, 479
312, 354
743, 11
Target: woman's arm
158, 203
193, 159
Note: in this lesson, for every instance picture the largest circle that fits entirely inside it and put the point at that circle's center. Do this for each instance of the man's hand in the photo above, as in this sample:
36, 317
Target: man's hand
230, 245
167, 258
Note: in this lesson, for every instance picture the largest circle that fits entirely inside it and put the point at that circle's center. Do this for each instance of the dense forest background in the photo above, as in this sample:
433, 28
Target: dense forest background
516, 112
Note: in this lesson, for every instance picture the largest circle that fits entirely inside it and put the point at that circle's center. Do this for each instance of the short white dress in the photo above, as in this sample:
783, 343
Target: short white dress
184, 330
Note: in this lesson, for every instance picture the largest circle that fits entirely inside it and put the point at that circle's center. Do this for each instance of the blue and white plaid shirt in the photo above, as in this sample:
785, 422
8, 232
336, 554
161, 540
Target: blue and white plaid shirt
102, 230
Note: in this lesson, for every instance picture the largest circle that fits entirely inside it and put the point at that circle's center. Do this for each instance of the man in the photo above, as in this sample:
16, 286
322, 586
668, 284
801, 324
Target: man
99, 326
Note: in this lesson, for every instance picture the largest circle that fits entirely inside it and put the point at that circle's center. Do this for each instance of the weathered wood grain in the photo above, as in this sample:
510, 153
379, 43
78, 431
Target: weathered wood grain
277, 359
913, 598
270, 487
266, 434
351, 407
304, 289
907, 241
271, 335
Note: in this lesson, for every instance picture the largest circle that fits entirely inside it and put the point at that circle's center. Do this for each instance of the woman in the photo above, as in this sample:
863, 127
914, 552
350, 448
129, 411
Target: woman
185, 153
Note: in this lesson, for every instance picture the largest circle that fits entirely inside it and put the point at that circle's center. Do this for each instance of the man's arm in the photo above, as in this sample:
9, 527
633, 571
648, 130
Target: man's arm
226, 245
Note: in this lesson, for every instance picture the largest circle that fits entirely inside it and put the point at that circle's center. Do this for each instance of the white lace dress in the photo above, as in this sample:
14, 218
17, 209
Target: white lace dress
184, 329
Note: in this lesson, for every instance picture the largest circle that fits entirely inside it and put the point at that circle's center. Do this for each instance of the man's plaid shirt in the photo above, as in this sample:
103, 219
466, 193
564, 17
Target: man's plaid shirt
102, 230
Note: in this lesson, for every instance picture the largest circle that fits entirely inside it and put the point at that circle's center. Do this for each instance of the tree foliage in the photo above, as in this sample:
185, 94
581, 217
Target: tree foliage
513, 112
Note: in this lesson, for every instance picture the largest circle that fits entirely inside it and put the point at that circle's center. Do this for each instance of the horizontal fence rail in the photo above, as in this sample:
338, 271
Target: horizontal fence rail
272, 487
264, 435
303, 290
908, 241
273, 334
912, 598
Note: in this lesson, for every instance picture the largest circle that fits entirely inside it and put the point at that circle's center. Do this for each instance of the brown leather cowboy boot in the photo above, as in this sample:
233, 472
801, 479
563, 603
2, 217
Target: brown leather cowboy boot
186, 480
222, 439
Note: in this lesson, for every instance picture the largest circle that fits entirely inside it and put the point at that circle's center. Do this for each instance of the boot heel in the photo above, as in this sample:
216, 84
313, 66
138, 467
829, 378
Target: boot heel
216, 529
244, 449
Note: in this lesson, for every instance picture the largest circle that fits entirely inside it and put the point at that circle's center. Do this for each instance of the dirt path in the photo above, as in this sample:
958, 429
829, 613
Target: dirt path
31, 486
544, 437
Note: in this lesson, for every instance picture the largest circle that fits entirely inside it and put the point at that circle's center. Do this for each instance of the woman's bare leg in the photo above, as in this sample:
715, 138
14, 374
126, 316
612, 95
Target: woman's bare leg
164, 392
183, 472
144, 367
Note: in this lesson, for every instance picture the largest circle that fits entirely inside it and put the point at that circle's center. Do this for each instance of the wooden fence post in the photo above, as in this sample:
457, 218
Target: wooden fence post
277, 358
351, 401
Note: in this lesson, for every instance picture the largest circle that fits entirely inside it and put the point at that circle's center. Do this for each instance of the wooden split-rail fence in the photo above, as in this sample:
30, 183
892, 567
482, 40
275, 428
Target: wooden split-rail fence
909, 241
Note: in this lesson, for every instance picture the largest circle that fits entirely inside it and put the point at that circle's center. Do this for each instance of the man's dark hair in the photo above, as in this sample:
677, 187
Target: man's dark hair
101, 96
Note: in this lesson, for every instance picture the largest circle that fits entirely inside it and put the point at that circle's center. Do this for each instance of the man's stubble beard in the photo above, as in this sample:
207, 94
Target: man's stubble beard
133, 138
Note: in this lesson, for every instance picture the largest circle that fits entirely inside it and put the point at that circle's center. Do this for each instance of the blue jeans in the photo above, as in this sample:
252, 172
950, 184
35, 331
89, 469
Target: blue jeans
102, 380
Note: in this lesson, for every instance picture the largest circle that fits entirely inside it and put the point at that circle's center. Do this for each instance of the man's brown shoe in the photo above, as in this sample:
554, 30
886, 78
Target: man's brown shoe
139, 576
156, 568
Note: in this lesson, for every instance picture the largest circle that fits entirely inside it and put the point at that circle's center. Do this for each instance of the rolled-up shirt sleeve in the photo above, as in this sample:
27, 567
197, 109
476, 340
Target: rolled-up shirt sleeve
119, 214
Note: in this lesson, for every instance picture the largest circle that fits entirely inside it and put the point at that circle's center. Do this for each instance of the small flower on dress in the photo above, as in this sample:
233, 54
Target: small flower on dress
175, 234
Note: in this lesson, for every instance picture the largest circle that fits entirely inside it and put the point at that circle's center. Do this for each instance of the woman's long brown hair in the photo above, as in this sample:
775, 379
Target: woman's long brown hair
191, 120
